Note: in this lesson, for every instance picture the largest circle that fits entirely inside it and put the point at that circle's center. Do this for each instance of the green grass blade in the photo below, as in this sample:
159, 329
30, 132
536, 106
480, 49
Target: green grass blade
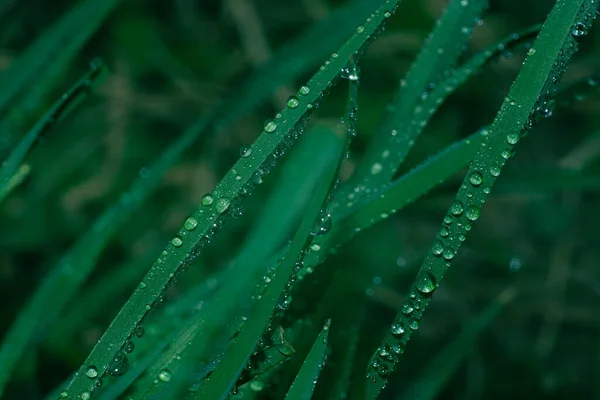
438, 371
66, 103
437, 57
228, 194
223, 378
530, 97
303, 386
47, 56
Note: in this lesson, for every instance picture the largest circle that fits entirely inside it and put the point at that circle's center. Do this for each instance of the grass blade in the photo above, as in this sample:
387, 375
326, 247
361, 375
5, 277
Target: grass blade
438, 371
530, 97
437, 57
47, 56
227, 195
303, 386
66, 103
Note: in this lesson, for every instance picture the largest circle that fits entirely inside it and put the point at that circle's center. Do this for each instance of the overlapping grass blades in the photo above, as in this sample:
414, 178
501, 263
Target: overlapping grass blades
434, 63
529, 99
67, 101
223, 378
303, 386
36, 70
277, 135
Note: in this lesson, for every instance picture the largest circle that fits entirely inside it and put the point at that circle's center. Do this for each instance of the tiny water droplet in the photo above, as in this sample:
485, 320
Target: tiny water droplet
91, 372
207, 199
360, 29
165, 375
177, 241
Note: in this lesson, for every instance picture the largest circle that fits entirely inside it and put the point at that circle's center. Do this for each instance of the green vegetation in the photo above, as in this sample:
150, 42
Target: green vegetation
304, 189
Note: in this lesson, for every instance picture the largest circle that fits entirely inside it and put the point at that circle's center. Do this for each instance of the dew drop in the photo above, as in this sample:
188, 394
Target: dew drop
376, 168
407, 309
165, 375
456, 208
190, 224
304, 90
207, 199
578, 31
448, 253
360, 29
397, 328
129, 347
292, 102
426, 283
245, 151
351, 71
414, 324
142, 285
495, 170
222, 205
315, 247
472, 213
270, 126
92, 372
444, 232
512, 138
64, 395
437, 248
119, 365
257, 386
177, 241
86, 395
476, 179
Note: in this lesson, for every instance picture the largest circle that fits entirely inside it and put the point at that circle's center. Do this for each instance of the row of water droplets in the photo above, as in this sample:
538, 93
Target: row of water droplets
463, 211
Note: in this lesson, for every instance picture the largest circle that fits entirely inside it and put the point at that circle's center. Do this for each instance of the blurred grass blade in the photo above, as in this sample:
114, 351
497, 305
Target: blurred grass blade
223, 378
304, 384
228, 195
308, 50
529, 99
435, 61
66, 103
438, 371
35, 72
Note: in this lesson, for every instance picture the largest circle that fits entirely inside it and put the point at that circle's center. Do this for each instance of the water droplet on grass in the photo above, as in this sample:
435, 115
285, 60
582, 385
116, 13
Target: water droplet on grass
177, 241
270, 126
472, 213
86, 395
207, 199
293, 102
119, 365
578, 31
456, 208
222, 205
92, 372
190, 224
426, 283
397, 329
165, 375
476, 179
304, 90
437, 248
245, 151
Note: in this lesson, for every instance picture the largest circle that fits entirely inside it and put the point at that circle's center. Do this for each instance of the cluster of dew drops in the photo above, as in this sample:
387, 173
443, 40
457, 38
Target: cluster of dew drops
443, 249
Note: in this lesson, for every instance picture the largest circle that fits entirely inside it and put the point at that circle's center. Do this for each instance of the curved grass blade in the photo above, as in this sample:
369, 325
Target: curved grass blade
530, 98
223, 378
437, 57
66, 103
228, 194
303, 386
438, 371
46, 57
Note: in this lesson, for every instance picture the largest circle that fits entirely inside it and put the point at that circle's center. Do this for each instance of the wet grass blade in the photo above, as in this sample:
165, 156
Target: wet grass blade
223, 378
438, 371
435, 61
38, 67
530, 98
66, 103
197, 230
303, 386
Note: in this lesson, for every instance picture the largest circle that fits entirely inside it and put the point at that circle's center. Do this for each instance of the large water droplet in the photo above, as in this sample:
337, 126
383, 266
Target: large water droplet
414, 324
448, 253
304, 90
190, 224
177, 241
293, 102
245, 151
426, 283
397, 328
578, 31
351, 71
495, 170
512, 138
87, 395
222, 205
437, 248
472, 213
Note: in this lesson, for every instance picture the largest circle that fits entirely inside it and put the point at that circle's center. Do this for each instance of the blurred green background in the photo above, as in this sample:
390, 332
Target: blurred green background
172, 61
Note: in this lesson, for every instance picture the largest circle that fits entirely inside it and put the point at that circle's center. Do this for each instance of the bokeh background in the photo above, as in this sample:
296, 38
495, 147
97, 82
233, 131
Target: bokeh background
173, 61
